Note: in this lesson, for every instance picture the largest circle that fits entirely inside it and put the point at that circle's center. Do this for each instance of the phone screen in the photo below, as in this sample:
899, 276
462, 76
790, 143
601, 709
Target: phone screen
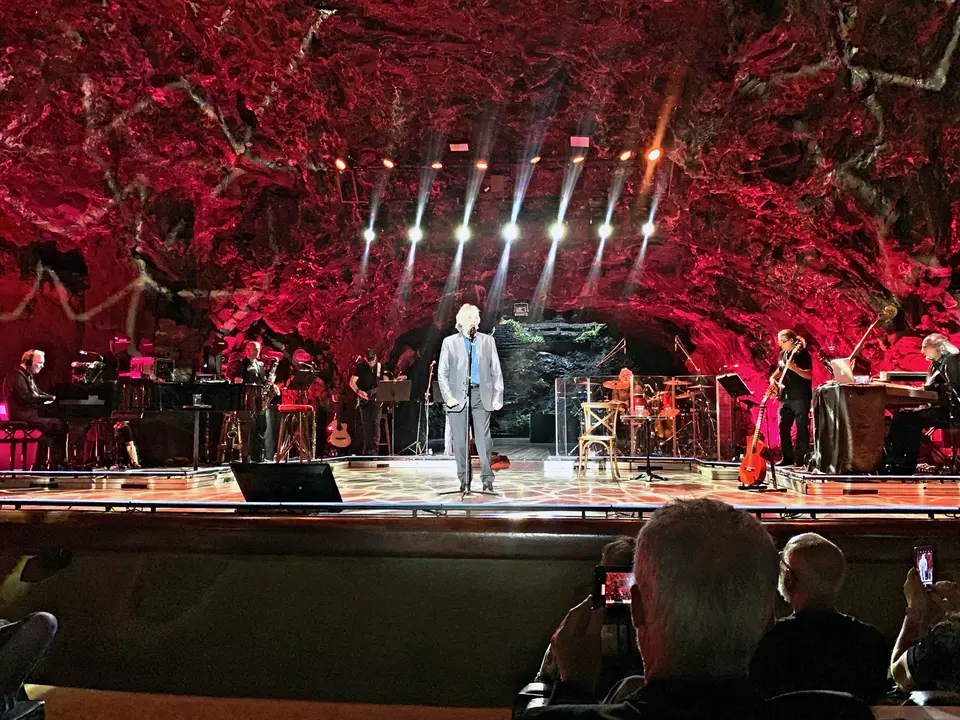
611, 586
923, 561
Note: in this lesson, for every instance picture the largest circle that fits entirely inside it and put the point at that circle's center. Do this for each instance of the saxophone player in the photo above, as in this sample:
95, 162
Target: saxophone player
252, 373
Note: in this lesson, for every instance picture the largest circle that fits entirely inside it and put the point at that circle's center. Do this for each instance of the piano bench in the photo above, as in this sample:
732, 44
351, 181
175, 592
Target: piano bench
16, 436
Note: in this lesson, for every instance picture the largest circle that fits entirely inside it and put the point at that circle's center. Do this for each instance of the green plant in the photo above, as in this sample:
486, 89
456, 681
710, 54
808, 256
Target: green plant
592, 334
520, 332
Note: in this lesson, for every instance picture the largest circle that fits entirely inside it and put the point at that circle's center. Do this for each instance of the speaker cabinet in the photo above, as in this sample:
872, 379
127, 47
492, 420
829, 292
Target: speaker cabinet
287, 482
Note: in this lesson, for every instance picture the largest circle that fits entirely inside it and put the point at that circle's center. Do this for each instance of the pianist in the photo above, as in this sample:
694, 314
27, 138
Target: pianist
24, 400
906, 430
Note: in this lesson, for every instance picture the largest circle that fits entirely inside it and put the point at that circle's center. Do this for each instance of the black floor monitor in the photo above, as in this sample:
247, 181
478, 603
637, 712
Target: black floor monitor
287, 482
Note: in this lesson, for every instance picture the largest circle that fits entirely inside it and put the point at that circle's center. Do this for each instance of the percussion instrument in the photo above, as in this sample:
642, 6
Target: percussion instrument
616, 385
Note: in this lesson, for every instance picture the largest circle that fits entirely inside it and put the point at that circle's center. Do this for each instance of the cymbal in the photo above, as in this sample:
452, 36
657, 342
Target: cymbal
675, 382
700, 387
616, 385
593, 383
687, 395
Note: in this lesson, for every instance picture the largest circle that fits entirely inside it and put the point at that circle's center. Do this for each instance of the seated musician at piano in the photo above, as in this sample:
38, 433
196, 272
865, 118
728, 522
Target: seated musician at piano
24, 400
907, 428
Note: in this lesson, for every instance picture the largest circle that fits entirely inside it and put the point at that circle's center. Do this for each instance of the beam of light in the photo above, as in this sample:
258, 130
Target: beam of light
403, 289
626, 155
415, 234
648, 229
557, 231
604, 231
491, 307
369, 235
486, 134
511, 232
527, 162
428, 174
577, 159
590, 286
654, 155
542, 294
448, 297
463, 234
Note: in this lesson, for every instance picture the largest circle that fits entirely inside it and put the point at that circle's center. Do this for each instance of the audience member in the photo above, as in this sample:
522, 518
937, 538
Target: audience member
619, 552
22, 645
705, 586
817, 647
930, 662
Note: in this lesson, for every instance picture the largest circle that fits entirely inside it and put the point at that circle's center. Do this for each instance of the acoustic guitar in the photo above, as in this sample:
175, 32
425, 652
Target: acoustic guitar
337, 435
753, 467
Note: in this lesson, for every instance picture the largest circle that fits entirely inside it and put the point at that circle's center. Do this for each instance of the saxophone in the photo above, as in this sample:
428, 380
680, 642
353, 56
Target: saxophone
269, 389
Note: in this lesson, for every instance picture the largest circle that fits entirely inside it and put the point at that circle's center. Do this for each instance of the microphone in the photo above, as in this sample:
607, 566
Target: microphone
85, 353
826, 364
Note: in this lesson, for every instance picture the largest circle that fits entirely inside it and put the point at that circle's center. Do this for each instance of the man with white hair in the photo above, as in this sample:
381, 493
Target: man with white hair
817, 647
906, 430
482, 382
705, 586
24, 400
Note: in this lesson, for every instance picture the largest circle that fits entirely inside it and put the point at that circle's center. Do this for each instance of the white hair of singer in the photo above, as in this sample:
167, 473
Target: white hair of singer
468, 317
707, 577
940, 342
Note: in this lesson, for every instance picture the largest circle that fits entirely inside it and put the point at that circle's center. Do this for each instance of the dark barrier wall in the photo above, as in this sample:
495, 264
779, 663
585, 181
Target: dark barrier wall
433, 612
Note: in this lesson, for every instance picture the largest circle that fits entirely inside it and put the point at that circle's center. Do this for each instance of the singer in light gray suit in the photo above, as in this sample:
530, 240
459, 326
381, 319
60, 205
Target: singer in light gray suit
486, 390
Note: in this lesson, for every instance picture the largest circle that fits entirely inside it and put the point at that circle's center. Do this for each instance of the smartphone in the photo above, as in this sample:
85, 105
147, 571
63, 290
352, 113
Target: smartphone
611, 586
923, 562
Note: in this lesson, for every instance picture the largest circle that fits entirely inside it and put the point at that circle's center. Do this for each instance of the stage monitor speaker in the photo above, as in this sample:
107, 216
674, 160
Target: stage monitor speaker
287, 482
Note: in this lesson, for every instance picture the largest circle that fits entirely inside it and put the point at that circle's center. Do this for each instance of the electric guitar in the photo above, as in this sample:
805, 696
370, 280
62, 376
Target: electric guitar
753, 467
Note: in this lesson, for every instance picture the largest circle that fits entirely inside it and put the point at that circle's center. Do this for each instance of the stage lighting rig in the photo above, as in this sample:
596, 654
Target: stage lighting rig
415, 234
511, 232
369, 235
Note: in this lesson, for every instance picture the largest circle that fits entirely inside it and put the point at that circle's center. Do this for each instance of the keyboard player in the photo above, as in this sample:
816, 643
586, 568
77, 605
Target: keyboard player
907, 428
24, 400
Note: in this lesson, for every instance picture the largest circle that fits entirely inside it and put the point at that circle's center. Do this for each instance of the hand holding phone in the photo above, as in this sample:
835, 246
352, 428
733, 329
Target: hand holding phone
611, 586
923, 559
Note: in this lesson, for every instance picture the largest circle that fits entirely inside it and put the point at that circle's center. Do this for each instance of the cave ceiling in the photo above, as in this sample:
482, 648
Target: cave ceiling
810, 172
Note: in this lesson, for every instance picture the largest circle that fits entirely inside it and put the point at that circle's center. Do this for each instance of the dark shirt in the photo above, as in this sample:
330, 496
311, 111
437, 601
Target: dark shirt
21, 393
794, 386
822, 651
251, 372
701, 700
944, 373
934, 662
366, 376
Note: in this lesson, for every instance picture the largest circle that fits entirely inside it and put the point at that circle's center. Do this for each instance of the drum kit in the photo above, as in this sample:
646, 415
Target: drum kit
676, 409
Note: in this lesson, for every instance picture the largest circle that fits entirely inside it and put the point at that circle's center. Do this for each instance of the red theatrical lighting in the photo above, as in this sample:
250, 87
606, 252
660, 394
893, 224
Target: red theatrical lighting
481, 164
437, 166
535, 159
341, 164
626, 155
388, 163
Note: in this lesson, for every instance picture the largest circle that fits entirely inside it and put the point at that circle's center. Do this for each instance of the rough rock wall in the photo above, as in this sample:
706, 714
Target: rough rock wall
811, 171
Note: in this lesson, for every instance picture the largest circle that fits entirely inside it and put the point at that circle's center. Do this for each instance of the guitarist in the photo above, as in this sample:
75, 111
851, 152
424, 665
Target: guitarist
366, 376
252, 372
796, 397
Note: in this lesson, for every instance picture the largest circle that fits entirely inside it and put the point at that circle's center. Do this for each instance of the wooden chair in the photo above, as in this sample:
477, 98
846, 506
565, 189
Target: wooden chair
296, 431
600, 428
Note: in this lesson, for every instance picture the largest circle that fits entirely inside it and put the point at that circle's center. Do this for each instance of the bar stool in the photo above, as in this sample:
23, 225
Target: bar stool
385, 437
296, 431
600, 428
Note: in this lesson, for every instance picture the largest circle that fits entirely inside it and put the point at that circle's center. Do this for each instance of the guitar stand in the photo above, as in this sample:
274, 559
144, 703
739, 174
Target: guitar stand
763, 487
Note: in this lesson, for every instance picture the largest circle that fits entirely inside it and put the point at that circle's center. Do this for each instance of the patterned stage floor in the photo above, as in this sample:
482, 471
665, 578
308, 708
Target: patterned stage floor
527, 483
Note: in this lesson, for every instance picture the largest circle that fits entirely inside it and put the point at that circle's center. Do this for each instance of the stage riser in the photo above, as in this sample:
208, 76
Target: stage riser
913, 493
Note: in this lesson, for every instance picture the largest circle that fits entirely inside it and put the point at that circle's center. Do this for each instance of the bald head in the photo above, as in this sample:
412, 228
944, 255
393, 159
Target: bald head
812, 572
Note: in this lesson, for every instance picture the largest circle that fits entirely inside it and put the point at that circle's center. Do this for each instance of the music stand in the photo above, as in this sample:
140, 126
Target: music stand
393, 391
736, 388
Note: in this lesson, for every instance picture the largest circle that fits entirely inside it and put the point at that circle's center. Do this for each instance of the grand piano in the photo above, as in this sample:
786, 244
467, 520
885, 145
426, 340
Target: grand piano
850, 425
163, 428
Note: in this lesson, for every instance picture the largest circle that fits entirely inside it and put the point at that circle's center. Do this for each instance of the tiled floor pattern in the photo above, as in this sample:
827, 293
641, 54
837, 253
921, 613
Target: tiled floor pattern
525, 483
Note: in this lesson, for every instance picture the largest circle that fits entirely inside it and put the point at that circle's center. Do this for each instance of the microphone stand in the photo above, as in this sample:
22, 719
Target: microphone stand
468, 475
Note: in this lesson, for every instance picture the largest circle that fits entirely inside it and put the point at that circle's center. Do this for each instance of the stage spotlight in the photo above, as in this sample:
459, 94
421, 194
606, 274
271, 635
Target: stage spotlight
388, 163
556, 231
341, 164
626, 155
463, 233
415, 234
437, 166
535, 159
481, 164
648, 229
605, 231
577, 159
511, 232
653, 155
369, 234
